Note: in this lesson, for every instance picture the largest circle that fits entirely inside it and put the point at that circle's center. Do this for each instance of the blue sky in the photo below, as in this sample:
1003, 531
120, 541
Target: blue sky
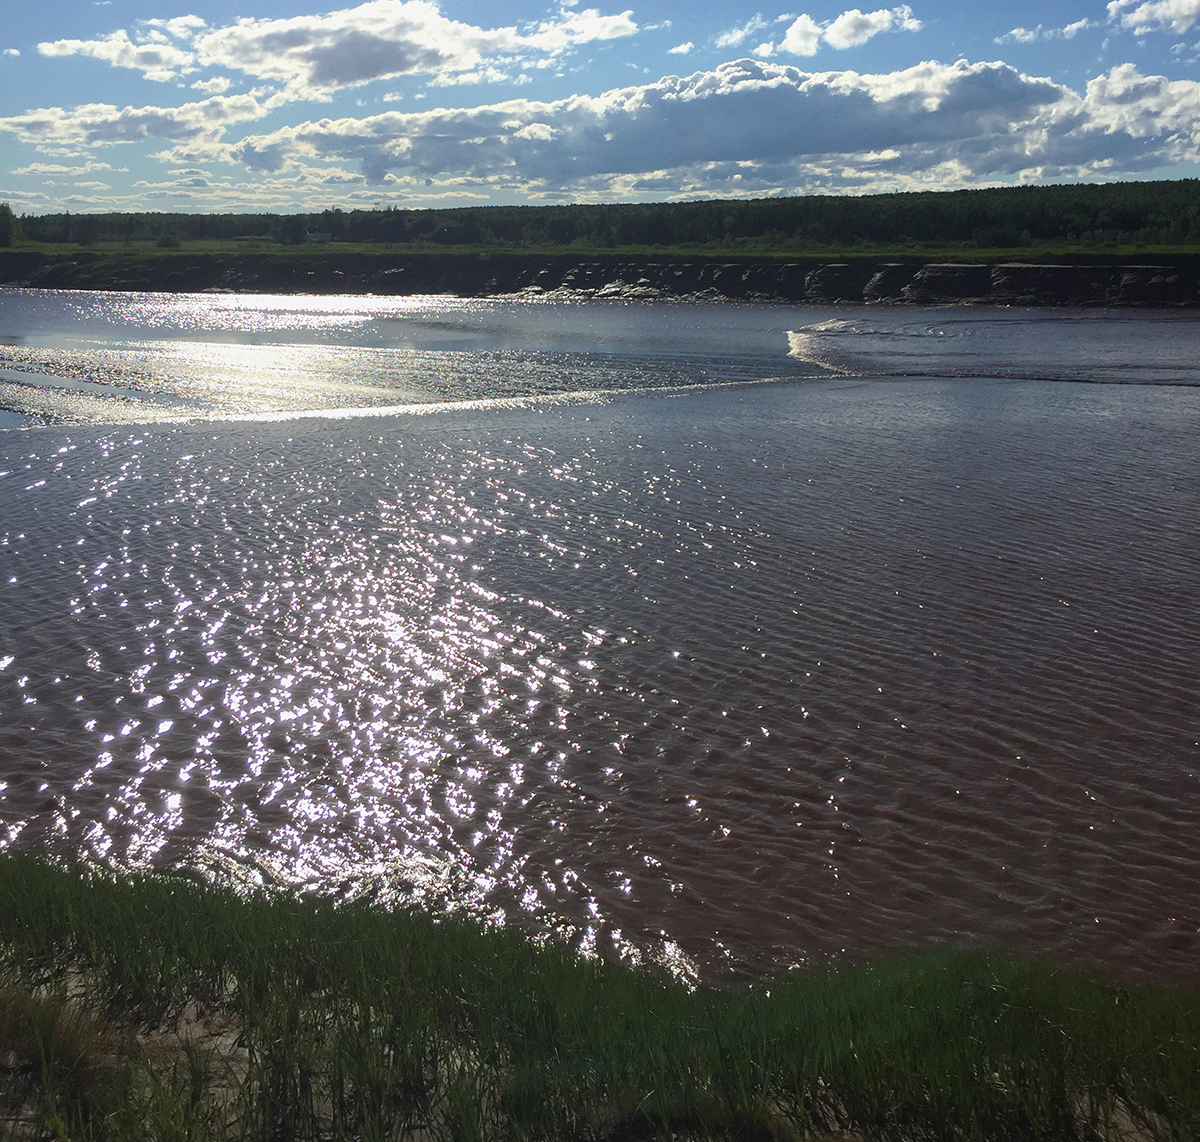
278, 105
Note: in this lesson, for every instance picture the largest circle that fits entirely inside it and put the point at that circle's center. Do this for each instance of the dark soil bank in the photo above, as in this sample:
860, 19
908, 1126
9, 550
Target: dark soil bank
1176, 283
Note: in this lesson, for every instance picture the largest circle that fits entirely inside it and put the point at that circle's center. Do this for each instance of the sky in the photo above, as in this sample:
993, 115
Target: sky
287, 105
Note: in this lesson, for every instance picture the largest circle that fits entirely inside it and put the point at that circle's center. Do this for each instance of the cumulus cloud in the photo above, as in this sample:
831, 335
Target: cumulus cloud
542, 131
570, 29
314, 56
747, 127
1020, 36
176, 28
742, 32
197, 189
757, 127
849, 30
1033, 35
803, 38
487, 74
746, 112
1155, 15
853, 28
59, 169
96, 124
1125, 103
11, 51
158, 61
218, 85
681, 49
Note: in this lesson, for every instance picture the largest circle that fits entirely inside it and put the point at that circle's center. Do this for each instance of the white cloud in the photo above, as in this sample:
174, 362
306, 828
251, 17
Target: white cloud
541, 131
486, 74
803, 38
314, 56
197, 190
742, 32
761, 114
11, 52
753, 127
317, 55
157, 61
1033, 35
1156, 15
681, 49
849, 30
218, 85
571, 29
748, 127
178, 28
56, 168
853, 28
96, 124
1147, 107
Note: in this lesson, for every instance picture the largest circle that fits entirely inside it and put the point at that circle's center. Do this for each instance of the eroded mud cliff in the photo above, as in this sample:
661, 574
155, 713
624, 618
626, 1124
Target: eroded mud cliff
745, 279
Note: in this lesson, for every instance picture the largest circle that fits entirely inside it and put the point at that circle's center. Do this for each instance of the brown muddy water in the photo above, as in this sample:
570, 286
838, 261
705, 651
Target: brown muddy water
898, 645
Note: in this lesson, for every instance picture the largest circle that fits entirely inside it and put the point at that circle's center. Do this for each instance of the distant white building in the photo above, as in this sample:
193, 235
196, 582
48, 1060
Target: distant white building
318, 236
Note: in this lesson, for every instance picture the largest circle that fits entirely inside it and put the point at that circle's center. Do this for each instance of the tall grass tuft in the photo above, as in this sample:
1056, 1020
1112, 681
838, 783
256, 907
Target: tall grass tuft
154, 1007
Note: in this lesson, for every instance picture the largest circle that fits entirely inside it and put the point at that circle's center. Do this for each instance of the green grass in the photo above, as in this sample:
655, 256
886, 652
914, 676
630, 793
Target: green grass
152, 1007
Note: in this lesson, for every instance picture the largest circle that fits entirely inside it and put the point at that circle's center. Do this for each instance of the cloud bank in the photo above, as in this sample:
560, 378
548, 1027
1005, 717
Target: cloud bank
752, 126
756, 127
748, 126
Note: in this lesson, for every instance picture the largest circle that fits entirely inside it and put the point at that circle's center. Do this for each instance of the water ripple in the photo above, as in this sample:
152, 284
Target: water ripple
737, 679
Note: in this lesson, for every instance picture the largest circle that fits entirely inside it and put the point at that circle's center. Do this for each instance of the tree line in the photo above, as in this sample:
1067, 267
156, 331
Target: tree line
1148, 213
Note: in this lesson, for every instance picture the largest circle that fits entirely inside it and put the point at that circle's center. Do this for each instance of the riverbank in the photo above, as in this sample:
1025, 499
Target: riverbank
1090, 281
158, 1007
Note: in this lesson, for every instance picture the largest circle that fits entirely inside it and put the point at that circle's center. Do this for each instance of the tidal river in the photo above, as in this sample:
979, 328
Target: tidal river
727, 637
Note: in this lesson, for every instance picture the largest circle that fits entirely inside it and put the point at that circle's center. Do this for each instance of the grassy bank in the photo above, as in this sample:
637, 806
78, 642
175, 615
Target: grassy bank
155, 1008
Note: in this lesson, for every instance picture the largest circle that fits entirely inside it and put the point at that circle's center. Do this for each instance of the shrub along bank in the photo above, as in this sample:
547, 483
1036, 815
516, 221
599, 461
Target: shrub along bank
152, 1007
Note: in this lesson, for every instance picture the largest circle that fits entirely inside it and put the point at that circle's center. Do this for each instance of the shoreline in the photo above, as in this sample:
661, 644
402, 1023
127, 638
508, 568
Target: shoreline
1094, 282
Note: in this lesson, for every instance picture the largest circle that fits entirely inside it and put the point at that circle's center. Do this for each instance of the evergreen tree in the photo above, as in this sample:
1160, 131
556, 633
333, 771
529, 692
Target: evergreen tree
10, 226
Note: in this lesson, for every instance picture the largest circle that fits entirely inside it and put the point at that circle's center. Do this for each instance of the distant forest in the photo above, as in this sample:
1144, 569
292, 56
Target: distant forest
1135, 213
